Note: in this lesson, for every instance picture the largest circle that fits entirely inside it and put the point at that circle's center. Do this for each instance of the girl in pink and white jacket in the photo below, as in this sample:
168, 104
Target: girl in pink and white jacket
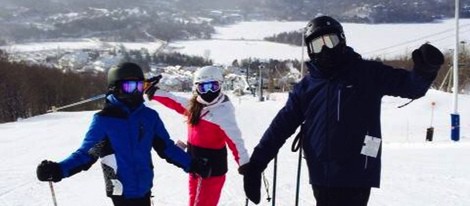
211, 128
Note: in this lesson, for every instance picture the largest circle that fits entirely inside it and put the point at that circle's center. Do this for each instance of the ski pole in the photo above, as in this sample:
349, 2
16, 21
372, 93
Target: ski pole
246, 201
274, 180
155, 79
55, 109
53, 193
297, 146
297, 190
266, 186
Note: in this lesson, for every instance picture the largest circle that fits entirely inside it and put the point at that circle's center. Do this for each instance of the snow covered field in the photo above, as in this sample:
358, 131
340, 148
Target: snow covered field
370, 40
414, 172
245, 39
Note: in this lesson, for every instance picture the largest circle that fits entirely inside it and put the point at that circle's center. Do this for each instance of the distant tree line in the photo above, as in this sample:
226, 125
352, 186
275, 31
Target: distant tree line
145, 59
181, 59
293, 37
364, 11
28, 90
115, 25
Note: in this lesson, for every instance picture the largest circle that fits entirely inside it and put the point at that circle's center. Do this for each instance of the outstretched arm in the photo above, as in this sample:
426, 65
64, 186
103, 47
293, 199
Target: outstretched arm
411, 84
166, 148
179, 104
85, 156
153, 92
282, 127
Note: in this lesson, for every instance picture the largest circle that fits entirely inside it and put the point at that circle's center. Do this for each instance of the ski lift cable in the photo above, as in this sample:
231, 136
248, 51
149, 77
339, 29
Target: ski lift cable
417, 44
414, 40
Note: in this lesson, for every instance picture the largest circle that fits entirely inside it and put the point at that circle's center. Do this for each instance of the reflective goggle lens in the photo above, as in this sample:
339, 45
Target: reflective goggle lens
329, 40
130, 86
205, 87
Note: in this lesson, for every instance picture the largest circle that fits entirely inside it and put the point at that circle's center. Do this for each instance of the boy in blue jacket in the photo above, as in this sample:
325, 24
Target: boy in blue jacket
338, 105
122, 134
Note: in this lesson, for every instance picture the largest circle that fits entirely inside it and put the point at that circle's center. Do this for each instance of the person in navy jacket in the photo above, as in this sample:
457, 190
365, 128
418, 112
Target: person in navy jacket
122, 134
338, 105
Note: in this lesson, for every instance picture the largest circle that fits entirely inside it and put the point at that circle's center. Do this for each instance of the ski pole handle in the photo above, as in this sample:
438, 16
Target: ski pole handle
53, 193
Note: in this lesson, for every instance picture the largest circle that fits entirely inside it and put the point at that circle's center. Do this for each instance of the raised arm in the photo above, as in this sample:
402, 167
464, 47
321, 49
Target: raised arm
153, 92
179, 104
411, 84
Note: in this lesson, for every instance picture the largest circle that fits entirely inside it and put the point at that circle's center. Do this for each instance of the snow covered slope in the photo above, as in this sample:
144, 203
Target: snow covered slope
414, 172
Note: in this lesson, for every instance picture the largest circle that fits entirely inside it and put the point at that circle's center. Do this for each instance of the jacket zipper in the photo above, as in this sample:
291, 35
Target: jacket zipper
134, 167
141, 131
366, 160
327, 133
338, 106
365, 163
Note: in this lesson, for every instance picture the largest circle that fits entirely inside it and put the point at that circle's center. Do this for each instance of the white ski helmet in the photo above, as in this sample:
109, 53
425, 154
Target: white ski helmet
207, 74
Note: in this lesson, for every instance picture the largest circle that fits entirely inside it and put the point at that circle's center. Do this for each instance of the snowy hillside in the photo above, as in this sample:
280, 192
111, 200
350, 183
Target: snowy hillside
245, 40
415, 172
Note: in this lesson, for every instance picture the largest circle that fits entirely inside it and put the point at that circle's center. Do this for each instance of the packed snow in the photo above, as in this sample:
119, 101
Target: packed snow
414, 173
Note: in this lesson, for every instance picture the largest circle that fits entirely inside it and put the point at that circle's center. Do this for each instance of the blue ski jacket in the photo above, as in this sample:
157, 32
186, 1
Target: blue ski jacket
337, 113
123, 139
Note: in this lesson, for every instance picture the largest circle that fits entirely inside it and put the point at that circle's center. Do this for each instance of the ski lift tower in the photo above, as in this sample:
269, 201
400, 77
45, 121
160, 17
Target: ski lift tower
302, 61
261, 68
455, 118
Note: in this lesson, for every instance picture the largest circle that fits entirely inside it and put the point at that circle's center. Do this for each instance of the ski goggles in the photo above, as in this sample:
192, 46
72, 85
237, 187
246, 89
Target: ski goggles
129, 86
204, 87
328, 40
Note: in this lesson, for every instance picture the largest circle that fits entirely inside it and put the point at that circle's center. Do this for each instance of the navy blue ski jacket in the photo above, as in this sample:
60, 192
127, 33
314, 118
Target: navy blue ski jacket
338, 112
123, 139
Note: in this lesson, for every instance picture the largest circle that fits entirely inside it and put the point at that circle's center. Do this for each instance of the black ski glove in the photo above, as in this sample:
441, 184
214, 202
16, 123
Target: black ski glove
427, 60
252, 182
152, 87
49, 171
201, 167
242, 169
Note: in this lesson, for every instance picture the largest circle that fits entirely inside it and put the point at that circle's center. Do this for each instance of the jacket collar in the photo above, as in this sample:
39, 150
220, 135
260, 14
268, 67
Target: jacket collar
112, 101
350, 56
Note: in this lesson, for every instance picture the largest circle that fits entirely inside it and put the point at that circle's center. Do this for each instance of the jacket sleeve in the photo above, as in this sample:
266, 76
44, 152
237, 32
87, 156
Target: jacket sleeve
400, 82
83, 158
282, 127
234, 136
166, 148
179, 104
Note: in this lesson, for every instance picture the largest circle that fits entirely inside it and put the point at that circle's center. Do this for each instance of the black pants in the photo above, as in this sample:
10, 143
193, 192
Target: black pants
341, 196
122, 201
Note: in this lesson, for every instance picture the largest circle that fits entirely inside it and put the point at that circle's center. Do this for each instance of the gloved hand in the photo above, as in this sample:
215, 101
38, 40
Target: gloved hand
201, 167
242, 169
49, 171
252, 182
427, 59
152, 87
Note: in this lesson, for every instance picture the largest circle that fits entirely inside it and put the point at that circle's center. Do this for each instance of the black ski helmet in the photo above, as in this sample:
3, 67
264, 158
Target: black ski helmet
320, 26
126, 70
